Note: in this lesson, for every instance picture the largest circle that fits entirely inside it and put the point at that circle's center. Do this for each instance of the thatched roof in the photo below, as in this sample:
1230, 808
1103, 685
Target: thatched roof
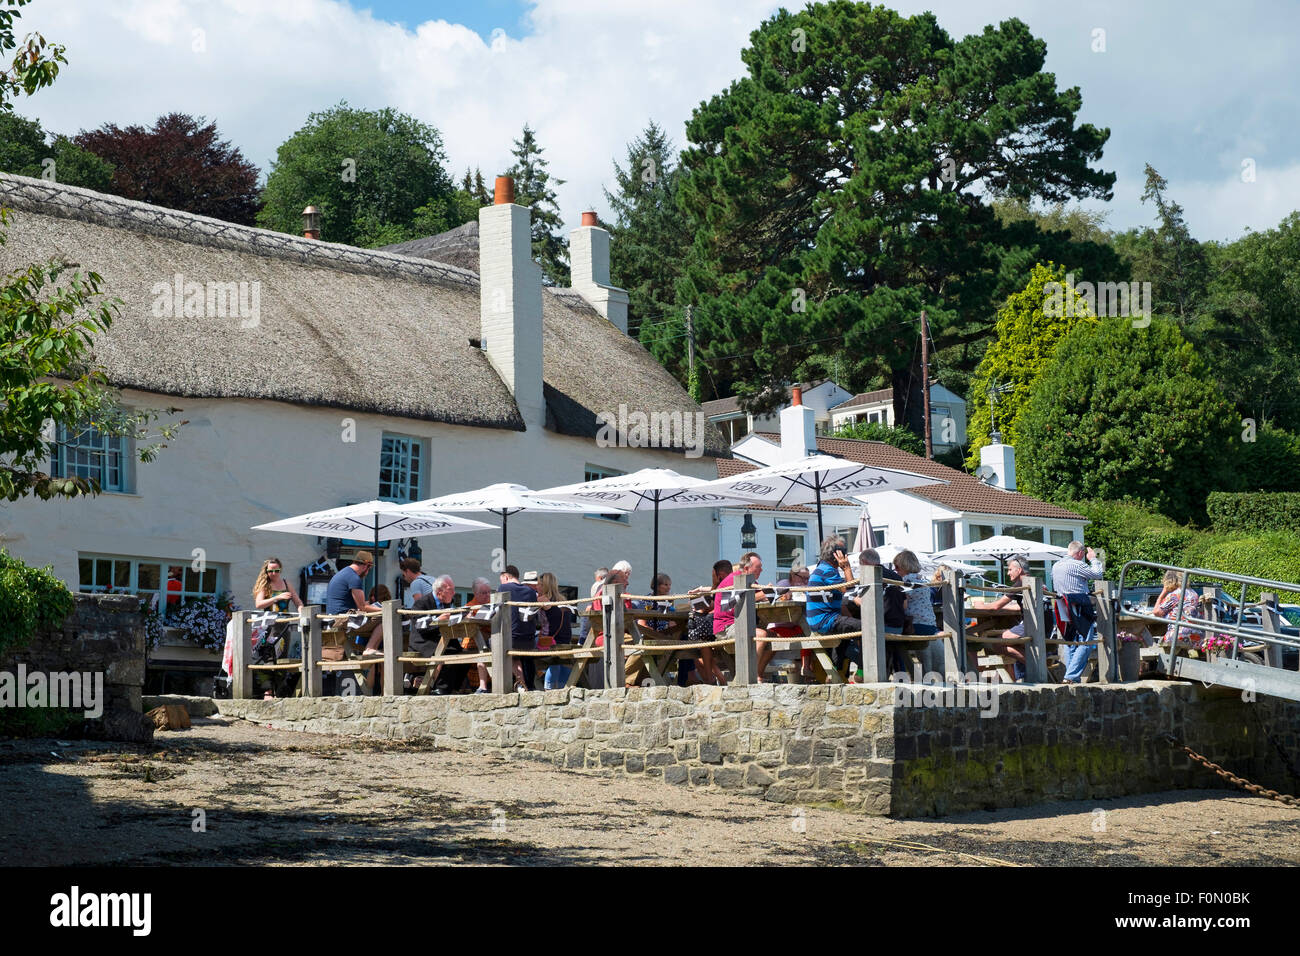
355, 329
457, 247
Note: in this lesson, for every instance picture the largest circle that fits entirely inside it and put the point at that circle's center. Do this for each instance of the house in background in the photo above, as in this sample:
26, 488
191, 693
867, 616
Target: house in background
735, 424
947, 414
315, 375
924, 519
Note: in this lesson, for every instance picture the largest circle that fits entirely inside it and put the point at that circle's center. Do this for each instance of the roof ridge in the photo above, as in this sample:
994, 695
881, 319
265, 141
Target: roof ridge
86, 205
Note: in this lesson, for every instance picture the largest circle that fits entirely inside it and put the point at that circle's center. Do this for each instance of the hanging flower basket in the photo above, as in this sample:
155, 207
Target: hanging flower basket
199, 621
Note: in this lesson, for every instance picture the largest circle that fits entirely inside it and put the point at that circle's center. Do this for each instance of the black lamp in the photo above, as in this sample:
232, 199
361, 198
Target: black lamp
747, 532
413, 550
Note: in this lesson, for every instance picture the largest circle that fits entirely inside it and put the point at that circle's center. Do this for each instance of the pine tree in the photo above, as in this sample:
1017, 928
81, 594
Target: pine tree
650, 238
534, 188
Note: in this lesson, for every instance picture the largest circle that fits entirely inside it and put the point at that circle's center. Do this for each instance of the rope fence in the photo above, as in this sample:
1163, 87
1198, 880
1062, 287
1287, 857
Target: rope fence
640, 641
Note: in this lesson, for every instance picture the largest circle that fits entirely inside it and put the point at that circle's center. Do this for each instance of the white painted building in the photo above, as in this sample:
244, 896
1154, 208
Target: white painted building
947, 414
924, 519
363, 374
735, 424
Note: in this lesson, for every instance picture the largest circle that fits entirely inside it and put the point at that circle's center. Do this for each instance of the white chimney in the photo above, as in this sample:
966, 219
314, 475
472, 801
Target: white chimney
1002, 459
798, 428
510, 303
589, 266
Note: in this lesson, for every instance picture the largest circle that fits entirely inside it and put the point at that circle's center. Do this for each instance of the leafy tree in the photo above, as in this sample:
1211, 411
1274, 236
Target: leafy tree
1269, 462
902, 438
534, 187
1127, 412
48, 315
1168, 256
1082, 225
474, 187
1252, 334
373, 173
841, 186
33, 67
181, 163
23, 150
1027, 332
650, 237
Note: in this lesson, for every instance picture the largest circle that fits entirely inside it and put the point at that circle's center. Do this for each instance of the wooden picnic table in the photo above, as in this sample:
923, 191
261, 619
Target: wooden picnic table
990, 622
465, 628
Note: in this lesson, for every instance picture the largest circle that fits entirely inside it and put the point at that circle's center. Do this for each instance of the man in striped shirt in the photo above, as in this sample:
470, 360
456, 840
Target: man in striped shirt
1070, 577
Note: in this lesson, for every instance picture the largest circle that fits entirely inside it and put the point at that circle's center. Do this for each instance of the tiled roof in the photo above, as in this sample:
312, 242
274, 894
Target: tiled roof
871, 398
730, 404
962, 493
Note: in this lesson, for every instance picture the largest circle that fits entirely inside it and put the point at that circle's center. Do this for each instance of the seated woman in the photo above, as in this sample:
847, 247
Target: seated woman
919, 609
1016, 568
271, 590
700, 629
1167, 606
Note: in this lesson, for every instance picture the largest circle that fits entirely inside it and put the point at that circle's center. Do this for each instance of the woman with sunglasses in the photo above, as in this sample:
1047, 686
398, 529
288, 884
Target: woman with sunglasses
272, 590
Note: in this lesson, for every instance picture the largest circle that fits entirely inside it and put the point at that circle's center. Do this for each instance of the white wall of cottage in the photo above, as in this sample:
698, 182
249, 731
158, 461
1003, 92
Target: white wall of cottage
240, 463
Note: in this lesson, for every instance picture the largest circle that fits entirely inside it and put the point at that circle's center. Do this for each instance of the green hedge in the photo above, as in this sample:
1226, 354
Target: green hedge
1274, 555
1254, 511
32, 600
1129, 531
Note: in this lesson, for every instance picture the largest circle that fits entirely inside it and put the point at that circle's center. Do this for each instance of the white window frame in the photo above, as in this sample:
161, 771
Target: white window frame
158, 596
94, 455
414, 450
791, 529
592, 472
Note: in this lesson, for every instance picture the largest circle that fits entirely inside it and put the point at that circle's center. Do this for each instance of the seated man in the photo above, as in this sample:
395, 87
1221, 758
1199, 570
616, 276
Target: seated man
1016, 568
824, 607
425, 644
346, 594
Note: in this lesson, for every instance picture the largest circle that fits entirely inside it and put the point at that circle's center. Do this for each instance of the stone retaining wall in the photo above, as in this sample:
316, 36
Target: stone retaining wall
103, 634
847, 746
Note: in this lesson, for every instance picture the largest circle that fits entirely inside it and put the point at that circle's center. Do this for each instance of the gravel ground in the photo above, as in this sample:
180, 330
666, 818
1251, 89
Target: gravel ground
284, 798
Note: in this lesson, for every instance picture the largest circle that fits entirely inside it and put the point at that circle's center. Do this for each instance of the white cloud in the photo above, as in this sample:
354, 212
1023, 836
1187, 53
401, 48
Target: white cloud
591, 73
587, 80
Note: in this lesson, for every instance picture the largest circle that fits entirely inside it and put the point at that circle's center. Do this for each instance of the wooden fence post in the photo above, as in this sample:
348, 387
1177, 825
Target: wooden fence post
612, 620
501, 672
1269, 617
874, 661
309, 618
744, 629
954, 627
241, 676
1107, 653
1031, 604
392, 622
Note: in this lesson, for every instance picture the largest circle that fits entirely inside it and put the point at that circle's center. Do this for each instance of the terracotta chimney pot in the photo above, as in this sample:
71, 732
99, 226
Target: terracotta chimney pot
505, 191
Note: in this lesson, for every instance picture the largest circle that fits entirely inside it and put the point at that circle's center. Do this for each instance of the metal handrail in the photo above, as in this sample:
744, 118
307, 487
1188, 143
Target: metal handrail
1237, 630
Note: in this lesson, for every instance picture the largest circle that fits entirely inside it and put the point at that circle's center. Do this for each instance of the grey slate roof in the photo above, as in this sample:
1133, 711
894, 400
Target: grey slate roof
356, 329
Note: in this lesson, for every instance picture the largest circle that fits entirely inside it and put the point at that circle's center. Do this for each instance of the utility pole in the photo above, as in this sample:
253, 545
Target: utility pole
925, 382
690, 352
